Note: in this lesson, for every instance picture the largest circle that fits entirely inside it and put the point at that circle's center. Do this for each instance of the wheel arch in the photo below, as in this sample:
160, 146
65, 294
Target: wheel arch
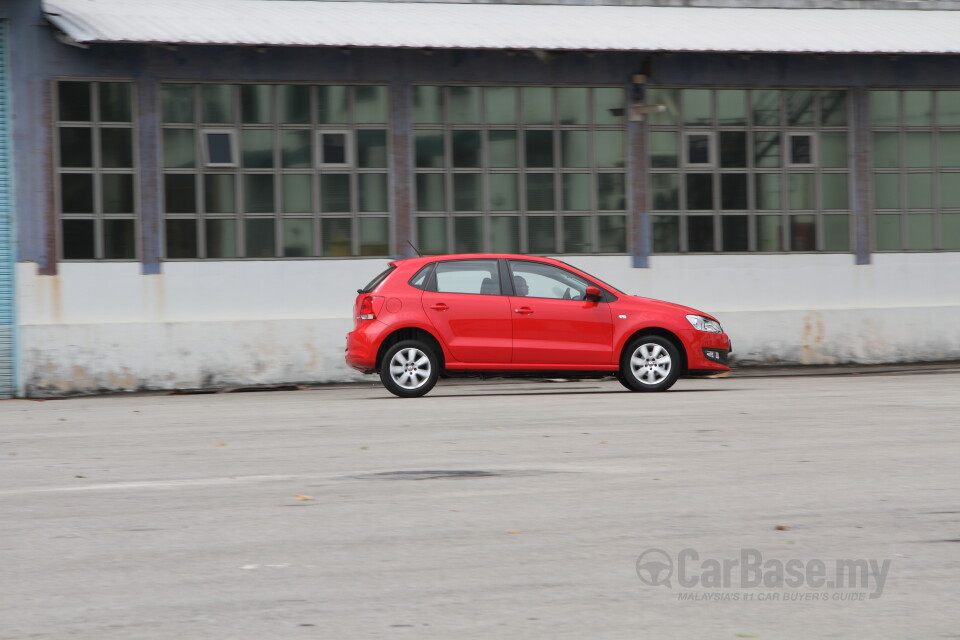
663, 333
411, 333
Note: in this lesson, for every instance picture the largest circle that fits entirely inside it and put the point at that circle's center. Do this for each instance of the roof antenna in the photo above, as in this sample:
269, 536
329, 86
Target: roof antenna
414, 248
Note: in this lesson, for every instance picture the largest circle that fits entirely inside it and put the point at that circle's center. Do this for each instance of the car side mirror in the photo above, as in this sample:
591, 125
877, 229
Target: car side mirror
592, 294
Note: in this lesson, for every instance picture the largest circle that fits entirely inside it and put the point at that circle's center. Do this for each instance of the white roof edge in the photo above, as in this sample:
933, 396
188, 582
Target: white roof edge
322, 23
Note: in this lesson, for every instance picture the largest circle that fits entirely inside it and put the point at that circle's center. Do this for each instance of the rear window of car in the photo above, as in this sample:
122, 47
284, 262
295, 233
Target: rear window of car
376, 281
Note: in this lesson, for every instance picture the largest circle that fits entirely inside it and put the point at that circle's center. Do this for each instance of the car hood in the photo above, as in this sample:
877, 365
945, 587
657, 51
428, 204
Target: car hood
663, 305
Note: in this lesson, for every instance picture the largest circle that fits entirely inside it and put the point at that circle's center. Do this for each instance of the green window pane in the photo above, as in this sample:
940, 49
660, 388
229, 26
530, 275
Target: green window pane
117, 193
255, 104
432, 235
700, 234
258, 193
429, 148
296, 150
335, 193
76, 147
537, 105
539, 148
920, 236
885, 108
222, 238
540, 195
733, 149
736, 234
663, 149
466, 148
297, 193
336, 237
333, 105
374, 236
766, 107
115, 102
293, 104
78, 240
217, 103
768, 191
612, 234
697, 107
260, 235
464, 105
73, 101
666, 234
503, 192
836, 233
256, 146
948, 108
505, 234
833, 149
297, 237
766, 149
731, 107
950, 190
577, 234
803, 191
950, 231
220, 194
576, 192
573, 106
608, 106
467, 192
886, 190
502, 147
374, 196
541, 234
176, 102
733, 191
918, 108
669, 99
370, 105
803, 233
699, 191
501, 105
769, 233
835, 191
800, 108
181, 239
76, 193
575, 148
950, 148
428, 105
611, 194
372, 148
430, 192
886, 149
919, 190
116, 148
179, 149
919, 149
833, 108
610, 149
888, 232
180, 193
665, 190
468, 234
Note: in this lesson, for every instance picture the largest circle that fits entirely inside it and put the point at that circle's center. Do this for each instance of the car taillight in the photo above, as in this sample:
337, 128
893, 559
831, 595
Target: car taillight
366, 309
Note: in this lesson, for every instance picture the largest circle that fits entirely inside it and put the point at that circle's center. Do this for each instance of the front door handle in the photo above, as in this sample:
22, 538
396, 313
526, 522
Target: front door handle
524, 311
439, 307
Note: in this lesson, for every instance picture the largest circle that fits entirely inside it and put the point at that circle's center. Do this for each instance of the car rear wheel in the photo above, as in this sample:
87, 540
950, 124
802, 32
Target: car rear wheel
409, 369
649, 363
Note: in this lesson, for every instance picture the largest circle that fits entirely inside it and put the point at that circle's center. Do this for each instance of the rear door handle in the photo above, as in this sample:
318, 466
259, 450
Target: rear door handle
524, 311
439, 307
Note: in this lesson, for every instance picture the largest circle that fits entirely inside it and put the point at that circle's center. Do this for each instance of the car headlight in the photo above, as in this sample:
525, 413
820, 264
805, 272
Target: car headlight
705, 324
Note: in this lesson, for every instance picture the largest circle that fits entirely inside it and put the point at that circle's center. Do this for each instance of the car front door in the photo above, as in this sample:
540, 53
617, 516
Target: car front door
464, 302
552, 323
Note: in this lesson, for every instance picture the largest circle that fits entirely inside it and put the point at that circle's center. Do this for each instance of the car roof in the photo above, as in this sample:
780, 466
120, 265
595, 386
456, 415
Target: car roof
421, 260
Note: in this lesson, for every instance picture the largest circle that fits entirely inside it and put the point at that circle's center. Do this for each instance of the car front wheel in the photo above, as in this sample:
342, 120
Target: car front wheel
409, 369
649, 363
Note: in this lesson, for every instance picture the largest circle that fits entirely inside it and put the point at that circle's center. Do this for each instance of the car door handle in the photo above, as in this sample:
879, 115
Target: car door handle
439, 307
524, 311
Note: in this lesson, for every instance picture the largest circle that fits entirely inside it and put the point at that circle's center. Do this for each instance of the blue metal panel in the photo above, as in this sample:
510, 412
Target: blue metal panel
8, 327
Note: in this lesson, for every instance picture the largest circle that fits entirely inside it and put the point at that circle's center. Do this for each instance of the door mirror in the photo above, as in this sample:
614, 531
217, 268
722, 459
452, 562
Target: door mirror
592, 294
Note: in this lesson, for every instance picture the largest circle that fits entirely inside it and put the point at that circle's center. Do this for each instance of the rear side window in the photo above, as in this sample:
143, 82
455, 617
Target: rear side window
422, 279
469, 276
373, 284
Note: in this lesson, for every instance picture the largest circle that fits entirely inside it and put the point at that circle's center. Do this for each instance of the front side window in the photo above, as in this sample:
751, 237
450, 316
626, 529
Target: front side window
537, 280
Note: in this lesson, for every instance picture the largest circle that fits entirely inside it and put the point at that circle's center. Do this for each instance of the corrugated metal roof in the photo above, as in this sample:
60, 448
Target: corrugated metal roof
505, 26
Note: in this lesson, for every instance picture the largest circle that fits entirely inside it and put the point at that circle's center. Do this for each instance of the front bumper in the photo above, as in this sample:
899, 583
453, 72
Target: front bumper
708, 352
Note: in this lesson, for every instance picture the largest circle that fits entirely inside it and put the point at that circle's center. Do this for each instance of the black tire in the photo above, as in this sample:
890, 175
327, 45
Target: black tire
409, 369
649, 363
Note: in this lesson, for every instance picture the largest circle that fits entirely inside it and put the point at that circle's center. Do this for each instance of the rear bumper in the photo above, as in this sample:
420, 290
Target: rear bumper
362, 345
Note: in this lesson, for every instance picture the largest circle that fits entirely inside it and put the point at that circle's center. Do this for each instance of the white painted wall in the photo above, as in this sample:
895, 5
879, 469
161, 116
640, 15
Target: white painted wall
103, 326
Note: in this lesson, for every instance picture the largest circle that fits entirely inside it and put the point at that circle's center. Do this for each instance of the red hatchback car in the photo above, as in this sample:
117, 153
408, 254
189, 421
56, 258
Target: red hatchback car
503, 314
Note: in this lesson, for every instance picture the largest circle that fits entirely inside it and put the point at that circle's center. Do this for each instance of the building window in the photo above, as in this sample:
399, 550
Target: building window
736, 170
916, 175
96, 170
520, 169
274, 171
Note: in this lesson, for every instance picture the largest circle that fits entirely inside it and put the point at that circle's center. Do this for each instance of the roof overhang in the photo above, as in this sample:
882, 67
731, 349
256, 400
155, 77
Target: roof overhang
314, 23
